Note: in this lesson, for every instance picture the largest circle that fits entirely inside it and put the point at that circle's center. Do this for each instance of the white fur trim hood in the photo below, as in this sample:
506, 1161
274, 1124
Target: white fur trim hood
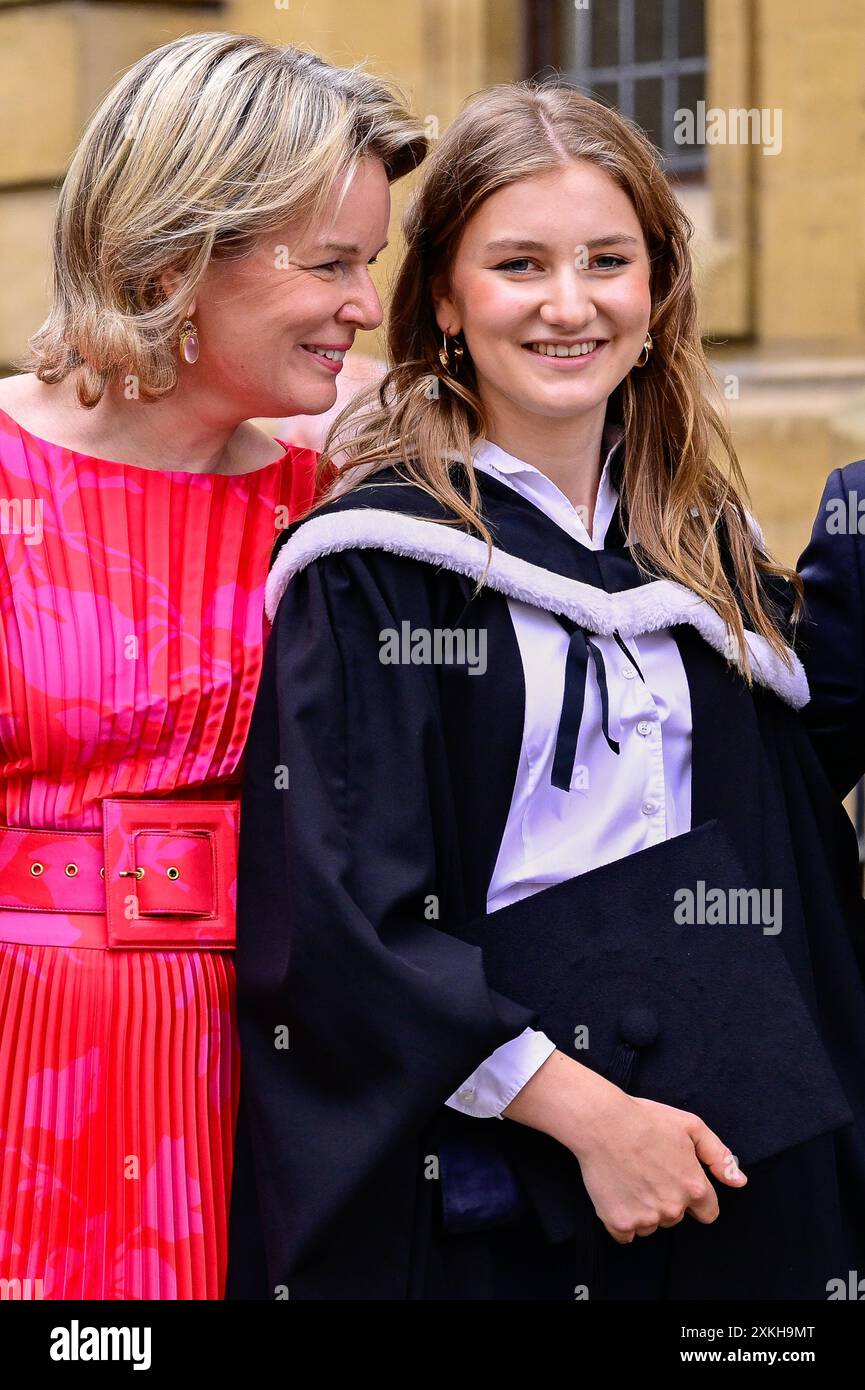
648, 608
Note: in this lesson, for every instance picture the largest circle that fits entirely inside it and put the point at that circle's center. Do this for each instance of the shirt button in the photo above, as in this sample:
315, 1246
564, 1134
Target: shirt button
649, 808
645, 727
466, 1095
628, 672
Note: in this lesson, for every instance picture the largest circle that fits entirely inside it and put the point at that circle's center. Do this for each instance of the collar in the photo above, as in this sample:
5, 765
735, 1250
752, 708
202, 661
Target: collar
533, 560
612, 436
539, 489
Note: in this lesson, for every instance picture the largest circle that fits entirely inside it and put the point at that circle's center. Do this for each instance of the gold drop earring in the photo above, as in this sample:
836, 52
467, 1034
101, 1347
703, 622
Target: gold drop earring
647, 348
444, 355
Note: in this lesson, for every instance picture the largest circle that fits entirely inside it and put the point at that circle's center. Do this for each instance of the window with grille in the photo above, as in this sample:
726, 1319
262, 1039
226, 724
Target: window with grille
645, 57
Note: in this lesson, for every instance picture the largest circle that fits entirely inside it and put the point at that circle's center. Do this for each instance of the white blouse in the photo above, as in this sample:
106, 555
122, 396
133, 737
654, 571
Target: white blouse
617, 803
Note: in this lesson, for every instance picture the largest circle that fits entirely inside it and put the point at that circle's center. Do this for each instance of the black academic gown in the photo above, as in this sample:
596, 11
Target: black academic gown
357, 878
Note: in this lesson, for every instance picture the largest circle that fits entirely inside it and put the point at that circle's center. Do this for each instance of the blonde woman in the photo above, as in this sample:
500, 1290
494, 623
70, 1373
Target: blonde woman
556, 904
211, 253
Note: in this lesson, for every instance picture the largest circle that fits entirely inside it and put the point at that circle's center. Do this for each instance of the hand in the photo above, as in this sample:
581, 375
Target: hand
640, 1160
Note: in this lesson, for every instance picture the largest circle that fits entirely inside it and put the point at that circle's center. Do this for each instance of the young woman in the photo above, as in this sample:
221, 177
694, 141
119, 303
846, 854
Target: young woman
195, 288
545, 943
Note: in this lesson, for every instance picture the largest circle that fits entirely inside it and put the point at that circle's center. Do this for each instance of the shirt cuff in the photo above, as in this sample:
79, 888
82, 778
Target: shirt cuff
492, 1086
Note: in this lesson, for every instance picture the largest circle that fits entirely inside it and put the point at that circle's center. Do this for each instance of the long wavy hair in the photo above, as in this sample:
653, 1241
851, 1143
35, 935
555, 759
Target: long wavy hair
200, 147
682, 484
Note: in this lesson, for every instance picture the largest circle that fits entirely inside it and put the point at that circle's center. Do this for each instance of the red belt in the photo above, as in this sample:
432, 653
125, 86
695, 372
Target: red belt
159, 875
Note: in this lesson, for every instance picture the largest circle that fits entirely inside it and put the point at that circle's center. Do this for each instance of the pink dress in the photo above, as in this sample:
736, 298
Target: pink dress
131, 642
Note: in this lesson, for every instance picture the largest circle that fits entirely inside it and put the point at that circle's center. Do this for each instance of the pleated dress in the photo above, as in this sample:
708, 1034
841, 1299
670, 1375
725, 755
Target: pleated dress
131, 640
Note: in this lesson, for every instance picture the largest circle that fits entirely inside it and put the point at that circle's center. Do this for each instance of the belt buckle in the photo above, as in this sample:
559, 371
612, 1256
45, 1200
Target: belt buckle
170, 873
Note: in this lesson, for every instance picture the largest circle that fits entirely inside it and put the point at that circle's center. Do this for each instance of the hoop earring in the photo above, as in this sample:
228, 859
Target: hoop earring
646, 348
444, 355
189, 345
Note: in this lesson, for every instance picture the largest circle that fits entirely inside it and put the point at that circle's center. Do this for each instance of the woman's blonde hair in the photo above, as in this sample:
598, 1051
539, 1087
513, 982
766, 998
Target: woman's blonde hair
675, 495
201, 146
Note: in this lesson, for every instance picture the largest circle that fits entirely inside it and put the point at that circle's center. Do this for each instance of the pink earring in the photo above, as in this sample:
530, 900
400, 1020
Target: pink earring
189, 345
